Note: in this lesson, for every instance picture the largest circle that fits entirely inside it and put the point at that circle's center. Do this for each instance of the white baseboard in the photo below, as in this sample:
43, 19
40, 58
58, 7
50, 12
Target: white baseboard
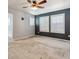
24, 37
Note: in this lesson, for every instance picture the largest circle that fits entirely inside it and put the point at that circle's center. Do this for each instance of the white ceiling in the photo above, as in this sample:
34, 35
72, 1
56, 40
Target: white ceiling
50, 6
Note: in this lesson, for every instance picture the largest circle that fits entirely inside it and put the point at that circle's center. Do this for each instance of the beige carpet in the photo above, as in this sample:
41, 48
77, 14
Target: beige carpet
39, 48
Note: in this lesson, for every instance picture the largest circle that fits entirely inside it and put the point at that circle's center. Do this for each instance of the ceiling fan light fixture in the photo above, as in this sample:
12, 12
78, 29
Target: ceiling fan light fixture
34, 4
34, 8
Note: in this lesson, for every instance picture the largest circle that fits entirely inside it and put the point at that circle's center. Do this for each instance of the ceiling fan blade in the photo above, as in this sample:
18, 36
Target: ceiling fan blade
42, 2
25, 7
29, 1
39, 6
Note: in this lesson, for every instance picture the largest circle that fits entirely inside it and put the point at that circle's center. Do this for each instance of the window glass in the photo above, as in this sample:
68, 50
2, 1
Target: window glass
32, 22
58, 23
44, 24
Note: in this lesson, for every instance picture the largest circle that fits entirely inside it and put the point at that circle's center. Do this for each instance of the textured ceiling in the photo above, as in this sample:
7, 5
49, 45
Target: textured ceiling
50, 6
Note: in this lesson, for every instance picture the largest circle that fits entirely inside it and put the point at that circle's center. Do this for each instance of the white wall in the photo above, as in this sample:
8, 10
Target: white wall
21, 29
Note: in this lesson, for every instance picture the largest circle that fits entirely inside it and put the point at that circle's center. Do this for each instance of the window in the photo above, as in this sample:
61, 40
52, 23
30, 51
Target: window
44, 24
58, 23
8, 20
10, 25
32, 22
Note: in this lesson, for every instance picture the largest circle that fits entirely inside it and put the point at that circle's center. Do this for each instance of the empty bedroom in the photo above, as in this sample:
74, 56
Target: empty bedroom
38, 29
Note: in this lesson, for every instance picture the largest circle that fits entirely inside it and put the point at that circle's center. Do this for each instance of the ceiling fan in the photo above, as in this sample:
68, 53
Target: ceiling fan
35, 4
